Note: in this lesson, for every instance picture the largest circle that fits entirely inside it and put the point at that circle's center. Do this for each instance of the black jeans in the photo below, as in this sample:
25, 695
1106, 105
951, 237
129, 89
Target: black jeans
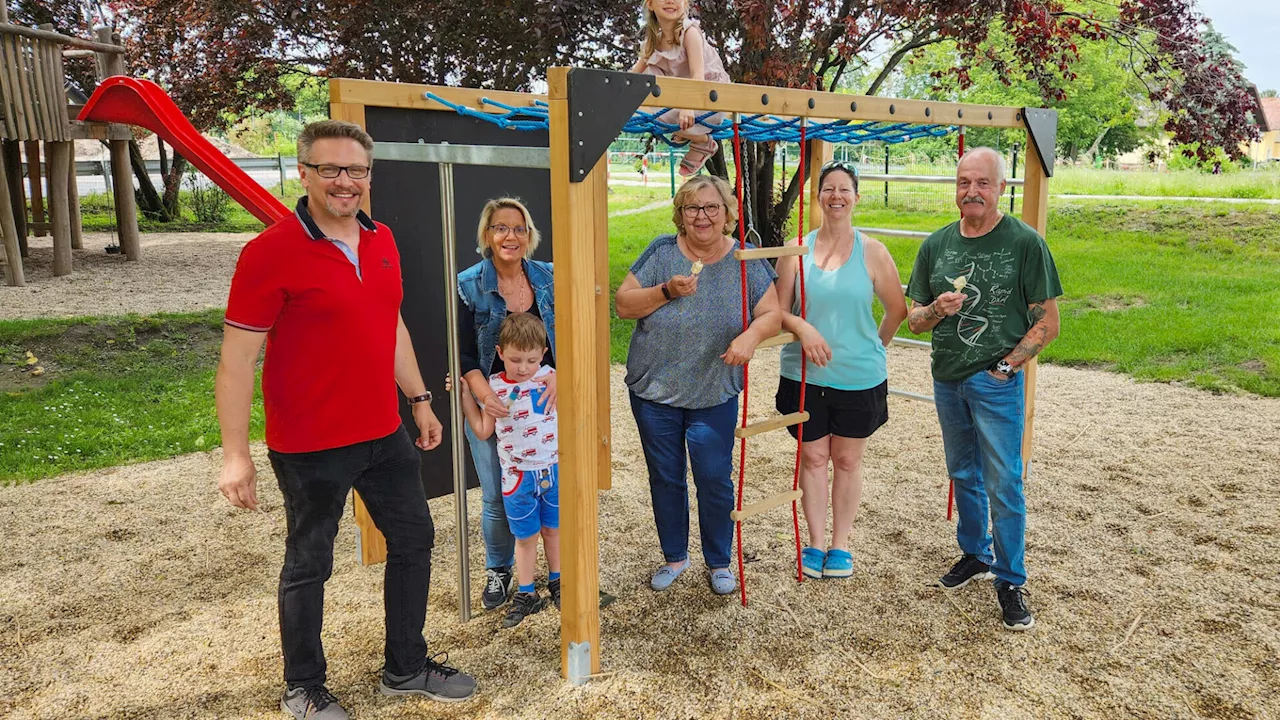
315, 487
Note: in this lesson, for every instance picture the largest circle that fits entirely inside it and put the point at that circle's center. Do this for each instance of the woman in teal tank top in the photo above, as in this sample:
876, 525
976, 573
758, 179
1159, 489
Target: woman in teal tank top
846, 388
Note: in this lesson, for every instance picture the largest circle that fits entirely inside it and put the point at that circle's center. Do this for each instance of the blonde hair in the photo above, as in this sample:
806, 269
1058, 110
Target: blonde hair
653, 31
522, 331
687, 192
486, 217
332, 129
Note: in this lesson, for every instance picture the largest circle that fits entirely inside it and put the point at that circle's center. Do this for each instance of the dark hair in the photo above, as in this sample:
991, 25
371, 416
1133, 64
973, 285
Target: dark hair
842, 166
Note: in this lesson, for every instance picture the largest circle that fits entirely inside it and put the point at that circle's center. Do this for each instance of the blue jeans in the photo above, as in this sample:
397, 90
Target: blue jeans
499, 543
664, 433
982, 422
315, 486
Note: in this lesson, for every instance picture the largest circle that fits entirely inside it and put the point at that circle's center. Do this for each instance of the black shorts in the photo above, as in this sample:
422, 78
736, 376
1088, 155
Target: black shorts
844, 413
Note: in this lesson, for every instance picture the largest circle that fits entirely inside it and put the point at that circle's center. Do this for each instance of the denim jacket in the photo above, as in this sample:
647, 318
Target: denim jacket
478, 288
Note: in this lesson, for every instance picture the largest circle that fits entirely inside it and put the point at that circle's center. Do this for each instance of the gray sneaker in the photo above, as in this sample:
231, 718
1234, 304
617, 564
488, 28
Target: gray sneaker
312, 703
435, 680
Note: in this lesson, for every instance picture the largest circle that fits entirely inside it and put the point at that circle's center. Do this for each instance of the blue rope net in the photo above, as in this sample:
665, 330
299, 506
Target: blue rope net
758, 128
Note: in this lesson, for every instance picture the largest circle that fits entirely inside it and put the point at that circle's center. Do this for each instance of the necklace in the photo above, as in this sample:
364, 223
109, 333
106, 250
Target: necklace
518, 292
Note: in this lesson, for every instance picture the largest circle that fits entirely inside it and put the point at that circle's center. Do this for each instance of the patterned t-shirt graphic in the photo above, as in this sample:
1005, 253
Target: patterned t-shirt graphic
527, 436
1005, 271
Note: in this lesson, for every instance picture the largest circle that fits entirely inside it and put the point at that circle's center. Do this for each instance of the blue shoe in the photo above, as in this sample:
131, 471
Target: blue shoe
665, 576
839, 564
811, 561
723, 582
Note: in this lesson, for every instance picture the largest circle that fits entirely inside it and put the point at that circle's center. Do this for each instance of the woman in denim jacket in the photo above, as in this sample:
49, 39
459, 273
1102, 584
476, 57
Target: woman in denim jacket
507, 280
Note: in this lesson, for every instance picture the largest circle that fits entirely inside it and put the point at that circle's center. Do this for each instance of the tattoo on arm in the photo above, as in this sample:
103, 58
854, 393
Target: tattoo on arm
1035, 339
922, 319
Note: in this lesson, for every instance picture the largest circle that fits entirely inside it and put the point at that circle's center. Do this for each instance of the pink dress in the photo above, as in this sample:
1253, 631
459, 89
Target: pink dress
675, 63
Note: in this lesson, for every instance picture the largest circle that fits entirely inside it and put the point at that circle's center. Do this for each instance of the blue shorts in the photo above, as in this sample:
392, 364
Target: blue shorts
534, 503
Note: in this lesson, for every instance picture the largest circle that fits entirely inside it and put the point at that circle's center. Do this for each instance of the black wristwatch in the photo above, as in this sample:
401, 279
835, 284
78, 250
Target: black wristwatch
425, 397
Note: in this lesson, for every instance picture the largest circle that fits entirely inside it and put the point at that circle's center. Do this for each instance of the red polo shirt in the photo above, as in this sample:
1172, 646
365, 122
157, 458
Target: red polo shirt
328, 379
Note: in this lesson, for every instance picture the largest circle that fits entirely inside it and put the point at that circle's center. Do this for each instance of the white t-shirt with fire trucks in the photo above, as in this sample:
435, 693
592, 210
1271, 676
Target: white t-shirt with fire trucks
527, 436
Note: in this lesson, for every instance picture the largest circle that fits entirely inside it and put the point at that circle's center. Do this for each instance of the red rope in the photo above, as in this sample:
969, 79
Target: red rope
746, 322
804, 366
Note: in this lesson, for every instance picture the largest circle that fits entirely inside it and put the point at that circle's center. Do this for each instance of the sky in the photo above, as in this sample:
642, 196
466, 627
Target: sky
1252, 26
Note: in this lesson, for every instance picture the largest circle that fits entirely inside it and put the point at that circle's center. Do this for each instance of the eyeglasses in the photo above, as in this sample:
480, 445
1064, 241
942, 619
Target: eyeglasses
519, 231
329, 172
711, 210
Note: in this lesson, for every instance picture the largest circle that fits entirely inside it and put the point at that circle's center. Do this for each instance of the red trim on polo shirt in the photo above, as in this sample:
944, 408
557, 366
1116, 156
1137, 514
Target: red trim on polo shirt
328, 379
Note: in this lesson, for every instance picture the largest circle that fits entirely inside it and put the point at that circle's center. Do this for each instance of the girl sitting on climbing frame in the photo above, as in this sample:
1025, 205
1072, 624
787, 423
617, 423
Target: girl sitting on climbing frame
674, 46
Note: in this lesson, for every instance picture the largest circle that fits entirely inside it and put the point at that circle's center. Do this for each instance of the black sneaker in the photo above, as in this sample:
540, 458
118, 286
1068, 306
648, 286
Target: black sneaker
523, 605
1014, 607
499, 582
968, 569
435, 680
312, 703
553, 586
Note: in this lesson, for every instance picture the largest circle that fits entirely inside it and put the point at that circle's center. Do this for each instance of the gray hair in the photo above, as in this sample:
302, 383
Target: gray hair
996, 157
323, 129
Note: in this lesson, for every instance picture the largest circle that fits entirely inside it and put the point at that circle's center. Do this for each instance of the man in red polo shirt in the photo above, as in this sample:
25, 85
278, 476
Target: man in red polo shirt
323, 289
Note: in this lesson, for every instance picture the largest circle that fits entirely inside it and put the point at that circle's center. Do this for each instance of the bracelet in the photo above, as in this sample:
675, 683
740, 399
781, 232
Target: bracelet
935, 312
426, 397
665, 292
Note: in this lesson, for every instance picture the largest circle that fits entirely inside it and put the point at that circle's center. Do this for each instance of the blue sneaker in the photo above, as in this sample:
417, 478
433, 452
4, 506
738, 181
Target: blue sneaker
839, 564
811, 561
662, 579
723, 582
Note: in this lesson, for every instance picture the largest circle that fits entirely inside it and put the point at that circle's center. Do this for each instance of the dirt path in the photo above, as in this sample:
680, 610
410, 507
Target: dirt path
137, 592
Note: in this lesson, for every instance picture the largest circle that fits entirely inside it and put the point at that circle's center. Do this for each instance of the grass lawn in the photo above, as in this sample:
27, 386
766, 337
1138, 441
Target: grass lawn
1161, 291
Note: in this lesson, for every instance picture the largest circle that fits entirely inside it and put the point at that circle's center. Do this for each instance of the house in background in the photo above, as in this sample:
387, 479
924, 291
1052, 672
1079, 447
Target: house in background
1266, 149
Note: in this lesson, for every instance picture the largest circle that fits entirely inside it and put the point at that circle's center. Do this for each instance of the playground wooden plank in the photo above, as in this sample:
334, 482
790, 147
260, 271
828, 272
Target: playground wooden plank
773, 423
821, 154
788, 102
39, 89
1035, 209
9, 97
13, 273
579, 351
352, 91
766, 505
59, 154
604, 472
782, 338
17, 96
770, 252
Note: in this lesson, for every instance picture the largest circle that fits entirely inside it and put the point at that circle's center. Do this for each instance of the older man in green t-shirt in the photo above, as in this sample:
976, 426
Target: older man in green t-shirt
986, 286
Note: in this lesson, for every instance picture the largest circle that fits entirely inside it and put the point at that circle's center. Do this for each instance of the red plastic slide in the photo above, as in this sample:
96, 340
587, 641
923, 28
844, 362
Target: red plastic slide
132, 101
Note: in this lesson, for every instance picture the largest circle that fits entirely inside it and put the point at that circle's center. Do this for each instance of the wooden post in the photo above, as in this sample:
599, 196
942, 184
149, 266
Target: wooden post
121, 169
575, 209
1035, 208
17, 193
822, 153
59, 216
13, 274
73, 202
37, 187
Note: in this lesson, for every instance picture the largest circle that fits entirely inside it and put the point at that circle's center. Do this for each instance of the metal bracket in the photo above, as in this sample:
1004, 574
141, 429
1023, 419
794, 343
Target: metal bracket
491, 155
600, 104
1042, 127
579, 662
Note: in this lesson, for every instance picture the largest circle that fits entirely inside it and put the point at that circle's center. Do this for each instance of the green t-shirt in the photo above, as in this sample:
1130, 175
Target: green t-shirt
1005, 271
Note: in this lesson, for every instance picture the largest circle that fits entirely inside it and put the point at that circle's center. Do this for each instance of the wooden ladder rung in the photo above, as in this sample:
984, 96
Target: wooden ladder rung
766, 504
772, 423
770, 252
779, 339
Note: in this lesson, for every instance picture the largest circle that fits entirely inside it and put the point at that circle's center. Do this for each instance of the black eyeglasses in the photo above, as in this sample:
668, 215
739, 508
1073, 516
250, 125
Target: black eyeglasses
711, 210
329, 172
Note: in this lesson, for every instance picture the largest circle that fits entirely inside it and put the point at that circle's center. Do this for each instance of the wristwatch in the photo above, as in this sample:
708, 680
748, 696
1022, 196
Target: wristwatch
425, 397
1004, 368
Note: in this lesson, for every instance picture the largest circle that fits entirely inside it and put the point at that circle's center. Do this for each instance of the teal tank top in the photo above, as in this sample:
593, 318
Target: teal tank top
840, 308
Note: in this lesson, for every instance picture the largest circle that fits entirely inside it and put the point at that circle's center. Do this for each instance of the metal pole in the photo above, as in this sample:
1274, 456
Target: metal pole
280, 162
886, 172
671, 168
447, 227
1013, 173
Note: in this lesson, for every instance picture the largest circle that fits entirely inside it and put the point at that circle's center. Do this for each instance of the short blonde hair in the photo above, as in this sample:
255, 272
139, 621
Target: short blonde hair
522, 331
324, 129
486, 217
685, 196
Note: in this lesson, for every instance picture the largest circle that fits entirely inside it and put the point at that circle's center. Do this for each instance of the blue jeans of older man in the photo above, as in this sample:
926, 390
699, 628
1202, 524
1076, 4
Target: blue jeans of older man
982, 423
707, 434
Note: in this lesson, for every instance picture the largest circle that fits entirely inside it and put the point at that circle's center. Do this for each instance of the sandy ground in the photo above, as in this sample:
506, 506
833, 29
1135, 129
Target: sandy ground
178, 272
1154, 525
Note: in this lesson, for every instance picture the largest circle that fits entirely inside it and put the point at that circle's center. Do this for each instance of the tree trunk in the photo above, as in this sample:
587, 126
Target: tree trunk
149, 201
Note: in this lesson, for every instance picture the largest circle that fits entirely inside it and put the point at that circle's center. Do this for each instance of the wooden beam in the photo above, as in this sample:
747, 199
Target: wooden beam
604, 429
78, 130
766, 505
783, 338
59, 38
34, 183
126, 203
1035, 209
822, 153
774, 423
411, 96
73, 203
575, 207
766, 253
13, 274
787, 102
59, 205
12, 151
